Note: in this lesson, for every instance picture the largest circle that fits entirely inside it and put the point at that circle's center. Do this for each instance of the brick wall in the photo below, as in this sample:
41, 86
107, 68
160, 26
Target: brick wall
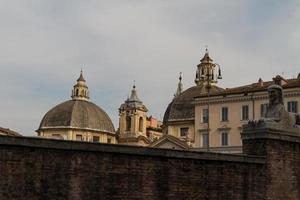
32, 168
282, 152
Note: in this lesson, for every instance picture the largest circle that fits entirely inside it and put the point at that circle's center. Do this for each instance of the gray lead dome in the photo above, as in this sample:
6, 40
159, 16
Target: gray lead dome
182, 107
77, 114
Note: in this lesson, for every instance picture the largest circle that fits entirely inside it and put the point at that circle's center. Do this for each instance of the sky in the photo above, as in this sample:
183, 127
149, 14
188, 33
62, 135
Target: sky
44, 45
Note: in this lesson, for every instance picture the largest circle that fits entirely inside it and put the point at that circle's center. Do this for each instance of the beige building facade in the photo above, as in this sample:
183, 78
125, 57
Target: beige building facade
78, 119
209, 118
231, 108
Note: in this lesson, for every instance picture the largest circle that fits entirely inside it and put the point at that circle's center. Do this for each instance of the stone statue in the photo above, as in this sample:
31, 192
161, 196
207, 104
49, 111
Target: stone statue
277, 117
276, 111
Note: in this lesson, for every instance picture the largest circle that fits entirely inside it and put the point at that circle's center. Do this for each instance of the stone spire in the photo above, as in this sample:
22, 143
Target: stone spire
80, 89
80, 77
133, 97
133, 101
179, 87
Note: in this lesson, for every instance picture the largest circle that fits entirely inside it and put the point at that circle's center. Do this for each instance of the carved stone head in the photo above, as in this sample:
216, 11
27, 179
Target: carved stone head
275, 94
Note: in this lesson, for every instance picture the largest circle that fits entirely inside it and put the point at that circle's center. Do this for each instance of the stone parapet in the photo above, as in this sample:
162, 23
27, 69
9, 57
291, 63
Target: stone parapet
124, 149
270, 130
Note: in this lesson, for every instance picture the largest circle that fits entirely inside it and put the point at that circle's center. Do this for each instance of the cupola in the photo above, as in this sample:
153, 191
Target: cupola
80, 89
206, 71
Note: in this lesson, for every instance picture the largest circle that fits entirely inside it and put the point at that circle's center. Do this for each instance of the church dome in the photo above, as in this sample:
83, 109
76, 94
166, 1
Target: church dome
77, 114
182, 107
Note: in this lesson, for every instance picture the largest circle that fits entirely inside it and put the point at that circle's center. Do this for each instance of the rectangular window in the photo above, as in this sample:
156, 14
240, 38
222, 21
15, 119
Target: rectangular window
245, 112
184, 131
224, 139
204, 139
205, 115
108, 140
263, 109
292, 106
79, 137
224, 114
96, 139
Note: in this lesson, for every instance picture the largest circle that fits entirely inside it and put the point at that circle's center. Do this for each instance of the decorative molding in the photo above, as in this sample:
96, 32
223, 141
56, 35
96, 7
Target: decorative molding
230, 99
75, 128
204, 130
224, 129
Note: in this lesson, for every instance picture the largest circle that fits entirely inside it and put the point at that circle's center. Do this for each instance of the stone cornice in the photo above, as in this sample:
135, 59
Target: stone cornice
203, 130
182, 121
240, 98
270, 131
75, 128
224, 129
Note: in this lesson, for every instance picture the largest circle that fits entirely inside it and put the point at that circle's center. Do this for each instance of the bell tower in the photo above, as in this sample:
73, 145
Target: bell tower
132, 119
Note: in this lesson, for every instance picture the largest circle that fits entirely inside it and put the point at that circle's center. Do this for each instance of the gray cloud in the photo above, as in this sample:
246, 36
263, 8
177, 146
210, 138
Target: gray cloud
44, 44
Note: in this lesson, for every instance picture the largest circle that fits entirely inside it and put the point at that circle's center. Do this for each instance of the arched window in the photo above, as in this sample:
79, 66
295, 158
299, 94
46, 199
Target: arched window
77, 92
141, 124
128, 123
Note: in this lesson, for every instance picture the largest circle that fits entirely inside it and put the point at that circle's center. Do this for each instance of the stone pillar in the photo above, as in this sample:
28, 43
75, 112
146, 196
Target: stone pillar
281, 148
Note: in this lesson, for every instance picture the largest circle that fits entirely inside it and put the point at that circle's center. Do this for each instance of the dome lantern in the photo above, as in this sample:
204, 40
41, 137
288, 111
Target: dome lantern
80, 89
206, 71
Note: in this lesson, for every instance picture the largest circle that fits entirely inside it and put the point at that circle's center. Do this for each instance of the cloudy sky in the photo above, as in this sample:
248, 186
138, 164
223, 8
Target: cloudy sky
45, 43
